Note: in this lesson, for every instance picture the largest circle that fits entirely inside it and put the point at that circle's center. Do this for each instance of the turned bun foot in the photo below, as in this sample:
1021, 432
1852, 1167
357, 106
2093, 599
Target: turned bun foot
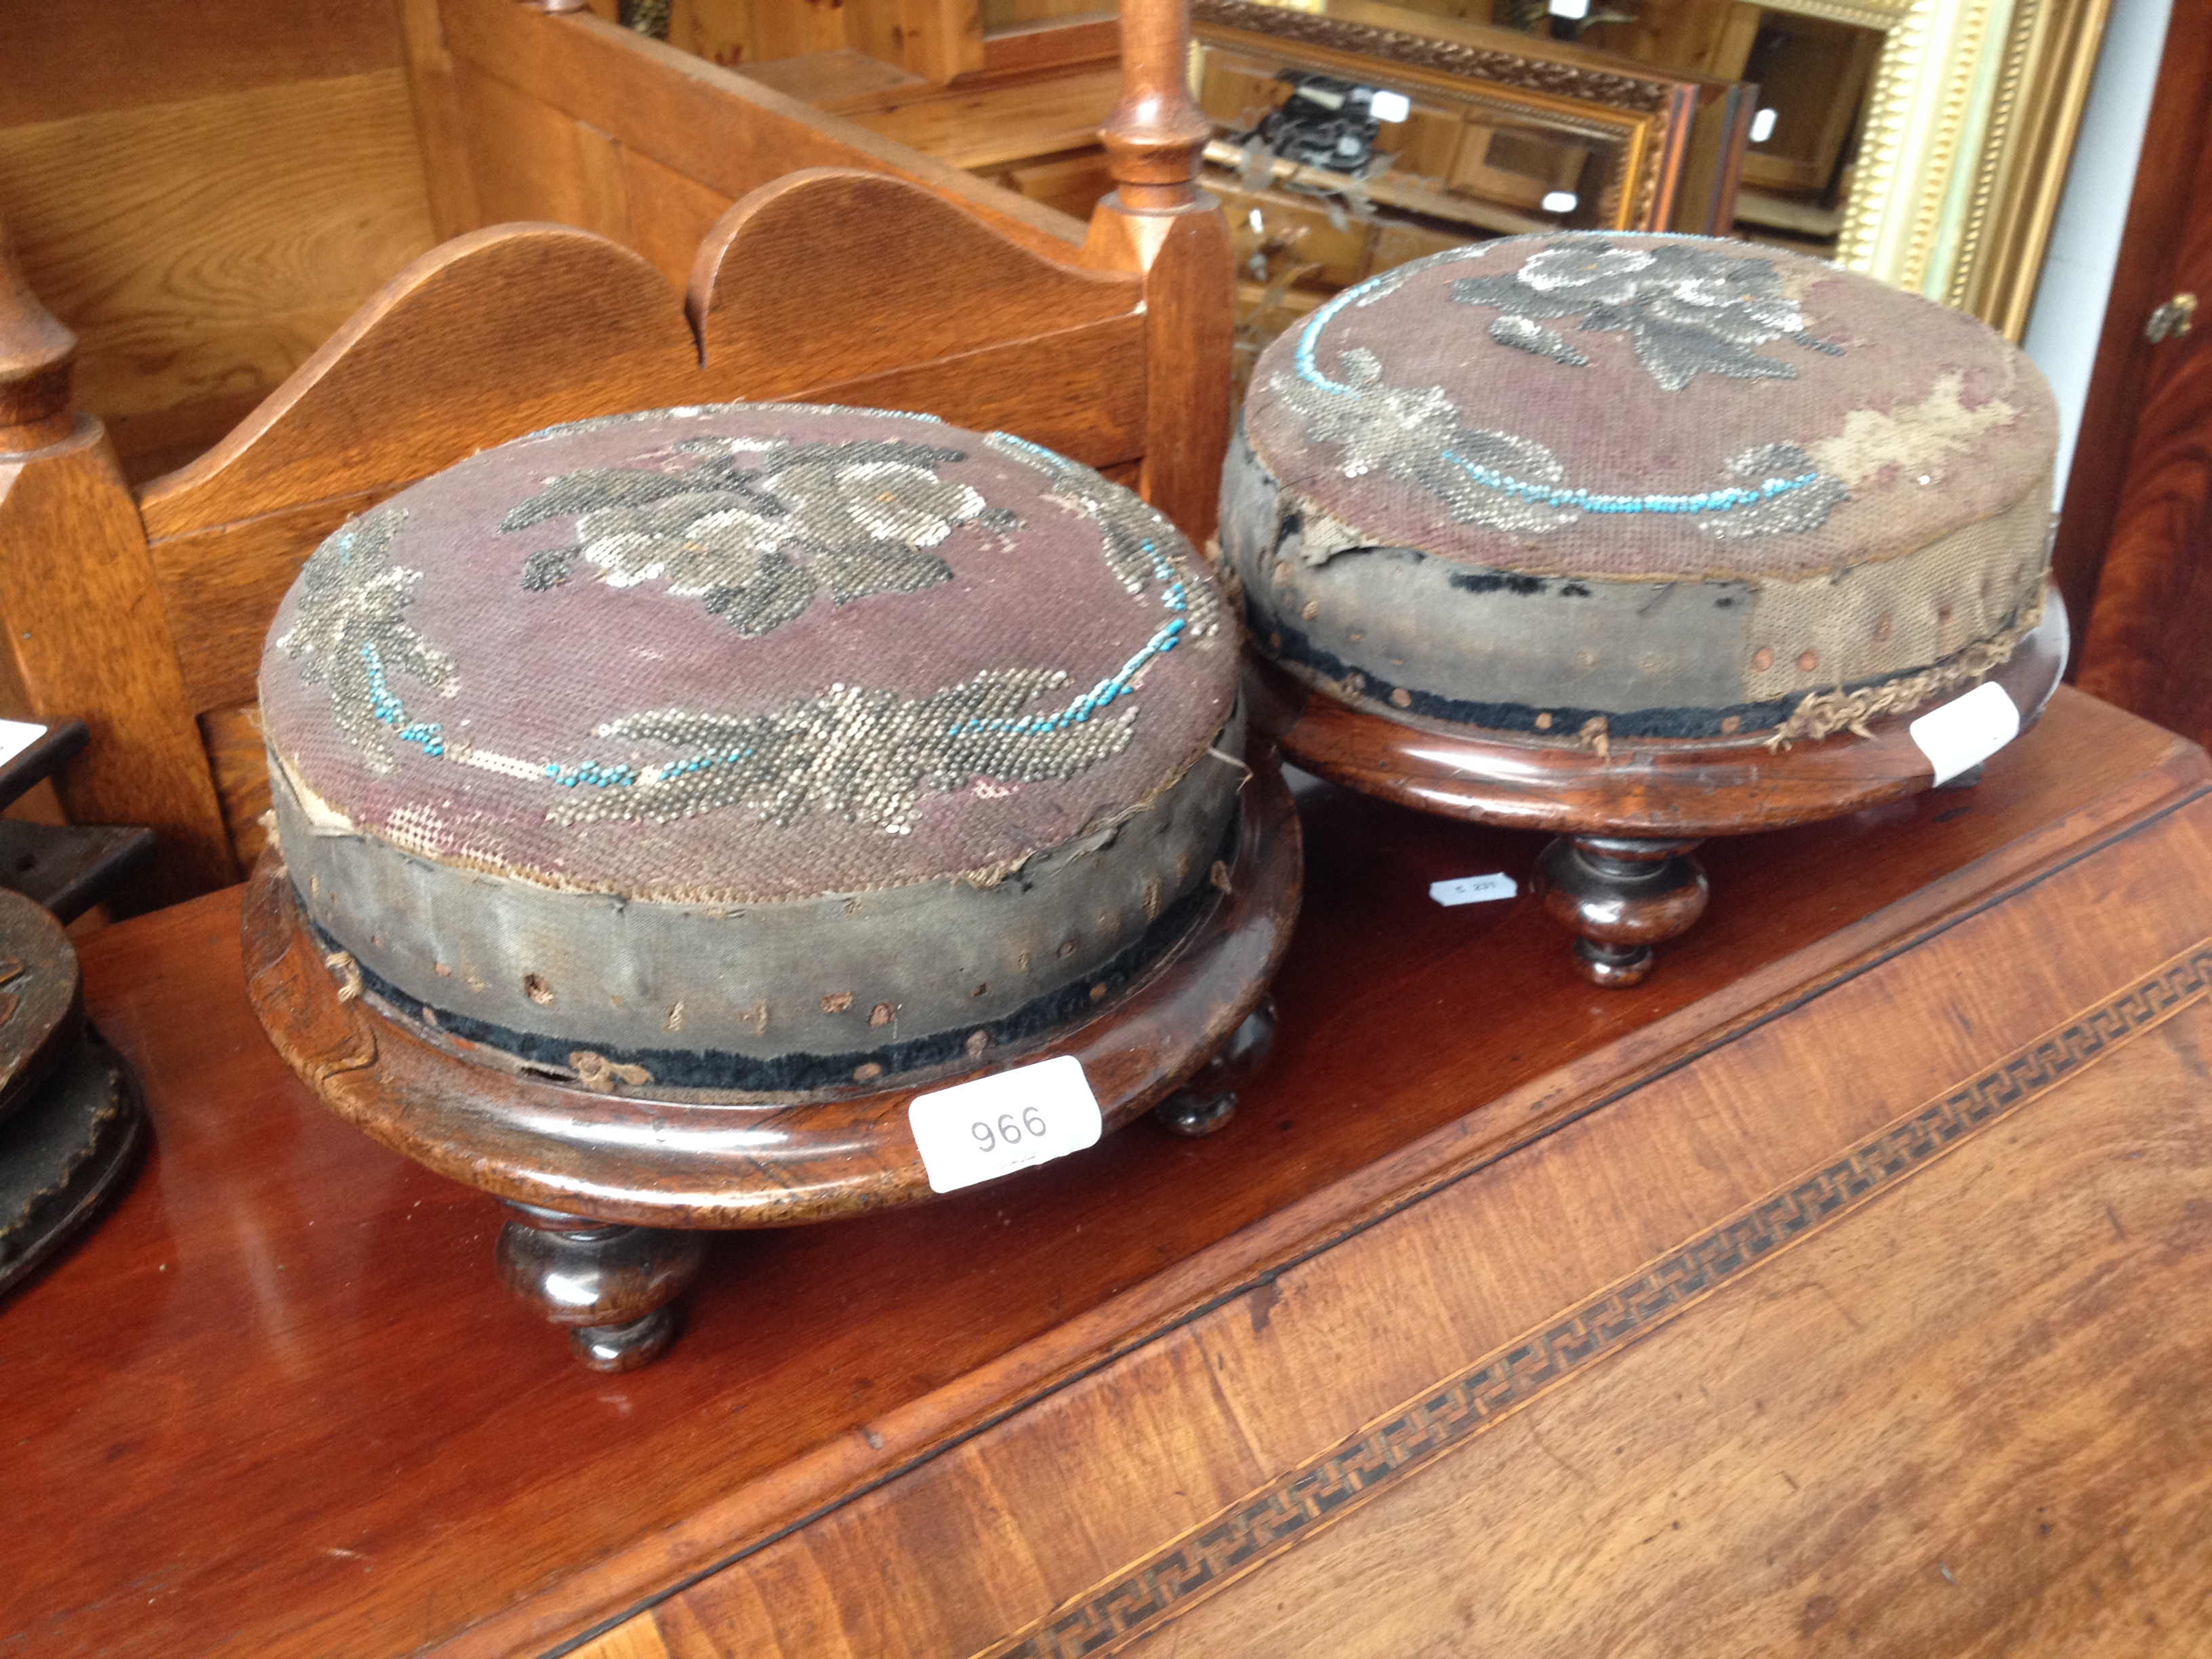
1208, 1101
610, 1286
1620, 898
624, 1347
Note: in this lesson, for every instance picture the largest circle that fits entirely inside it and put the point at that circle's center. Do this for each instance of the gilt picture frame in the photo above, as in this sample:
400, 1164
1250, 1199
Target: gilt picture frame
1969, 124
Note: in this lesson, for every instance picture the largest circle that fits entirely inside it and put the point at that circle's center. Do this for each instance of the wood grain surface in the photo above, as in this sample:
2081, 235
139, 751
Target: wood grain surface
293, 1410
202, 248
836, 80
67, 57
433, 88
997, 127
450, 357
1965, 1421
1829, 1346
76, 559
867, 274
936, 40
745, 33
239, 761
1190, 319
715, 127
1088, 36
204, 192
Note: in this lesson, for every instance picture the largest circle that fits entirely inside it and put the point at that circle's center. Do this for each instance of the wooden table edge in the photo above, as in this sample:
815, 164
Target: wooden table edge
620, 1585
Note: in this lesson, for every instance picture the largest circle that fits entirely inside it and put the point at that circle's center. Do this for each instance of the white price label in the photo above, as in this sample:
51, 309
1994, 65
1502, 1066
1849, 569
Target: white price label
1473, 889
1390, 107
1966, 731
16, 736
996, 1125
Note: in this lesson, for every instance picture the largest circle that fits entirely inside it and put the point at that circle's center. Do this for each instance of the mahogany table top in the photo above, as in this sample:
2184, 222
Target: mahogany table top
276, 1403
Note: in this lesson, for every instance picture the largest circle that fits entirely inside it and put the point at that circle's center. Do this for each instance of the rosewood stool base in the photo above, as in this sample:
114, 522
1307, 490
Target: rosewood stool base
1190, 1033
1620, 878
611, 1285
1208, 1101
1619, 897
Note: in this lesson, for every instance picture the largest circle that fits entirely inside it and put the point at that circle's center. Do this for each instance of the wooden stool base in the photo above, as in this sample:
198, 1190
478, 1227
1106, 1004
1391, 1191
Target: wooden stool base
1621, 897
1621, 878
603, 1238
1208, 1101
611, 1286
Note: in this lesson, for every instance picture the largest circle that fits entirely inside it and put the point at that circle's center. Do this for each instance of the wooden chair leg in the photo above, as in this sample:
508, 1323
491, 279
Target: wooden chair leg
612, 1286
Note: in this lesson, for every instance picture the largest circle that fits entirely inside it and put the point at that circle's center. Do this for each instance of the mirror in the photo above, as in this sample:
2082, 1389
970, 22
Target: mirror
1356, 137
1924, 142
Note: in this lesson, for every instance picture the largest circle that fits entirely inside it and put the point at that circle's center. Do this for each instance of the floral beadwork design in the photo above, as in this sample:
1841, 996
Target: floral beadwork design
1688, 309
756, 543
861, 753
1502, 481
1414, 434
350, 637
1134, 535
868, 754
757, 529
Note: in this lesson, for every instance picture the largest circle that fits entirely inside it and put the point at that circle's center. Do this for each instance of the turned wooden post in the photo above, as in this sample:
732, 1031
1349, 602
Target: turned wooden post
1158, 223
37, 357
72, 546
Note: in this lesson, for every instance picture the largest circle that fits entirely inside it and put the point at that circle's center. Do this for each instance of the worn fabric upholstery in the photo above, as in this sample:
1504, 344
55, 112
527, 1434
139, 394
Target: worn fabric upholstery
1666, 486
752, 746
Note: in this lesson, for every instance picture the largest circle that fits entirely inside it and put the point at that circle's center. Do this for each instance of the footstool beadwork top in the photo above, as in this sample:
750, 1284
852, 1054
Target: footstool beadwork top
1646, 407
746, 652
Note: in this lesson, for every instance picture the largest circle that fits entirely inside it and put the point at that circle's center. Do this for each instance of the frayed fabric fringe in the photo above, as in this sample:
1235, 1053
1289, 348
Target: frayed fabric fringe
1826, 713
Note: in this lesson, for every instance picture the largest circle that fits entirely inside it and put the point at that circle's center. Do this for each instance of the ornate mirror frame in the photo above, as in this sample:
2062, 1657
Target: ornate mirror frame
1970, 124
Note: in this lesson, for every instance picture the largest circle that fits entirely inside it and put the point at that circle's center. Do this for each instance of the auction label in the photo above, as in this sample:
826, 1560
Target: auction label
1966, 731
996, 1125
1473, 889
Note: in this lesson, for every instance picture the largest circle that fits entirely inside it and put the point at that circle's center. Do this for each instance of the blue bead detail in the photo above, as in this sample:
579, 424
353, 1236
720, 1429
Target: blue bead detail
1712, 500
428, 736
1117, 684
591, 772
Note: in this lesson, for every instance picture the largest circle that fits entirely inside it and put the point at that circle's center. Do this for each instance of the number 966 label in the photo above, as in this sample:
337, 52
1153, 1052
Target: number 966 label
977, 1131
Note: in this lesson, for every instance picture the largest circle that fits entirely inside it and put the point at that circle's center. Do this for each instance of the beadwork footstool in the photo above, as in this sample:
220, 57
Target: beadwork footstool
668, 806
1642, 540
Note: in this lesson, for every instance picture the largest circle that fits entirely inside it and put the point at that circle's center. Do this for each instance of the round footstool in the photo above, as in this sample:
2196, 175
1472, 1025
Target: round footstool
1642, 540
675, 811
